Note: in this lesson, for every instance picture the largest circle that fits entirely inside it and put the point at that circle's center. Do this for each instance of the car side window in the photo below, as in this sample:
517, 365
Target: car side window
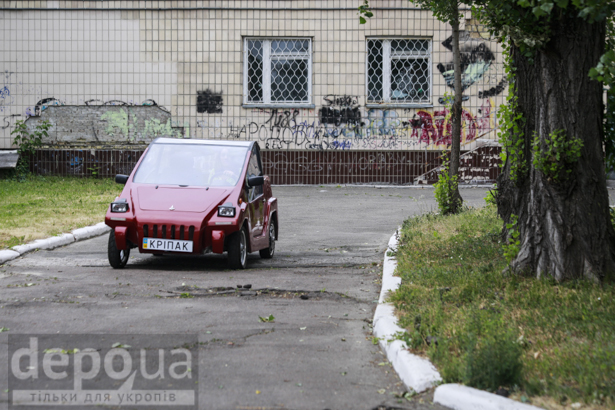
254, 169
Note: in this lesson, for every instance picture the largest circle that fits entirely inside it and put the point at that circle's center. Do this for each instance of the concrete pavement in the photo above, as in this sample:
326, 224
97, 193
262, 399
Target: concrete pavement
318, 352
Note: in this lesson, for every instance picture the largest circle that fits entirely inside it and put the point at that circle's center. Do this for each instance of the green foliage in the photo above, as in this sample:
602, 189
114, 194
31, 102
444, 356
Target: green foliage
491, 195
460, 310
511, 121
513, 245
605, 72
365, 11
445, 190
526, 22
27, 142
269, 319
556, 154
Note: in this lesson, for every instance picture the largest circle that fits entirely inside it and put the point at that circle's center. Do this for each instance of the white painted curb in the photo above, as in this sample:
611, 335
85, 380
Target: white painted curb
8, 255
90, 231
417, 373
459, 397
54, 241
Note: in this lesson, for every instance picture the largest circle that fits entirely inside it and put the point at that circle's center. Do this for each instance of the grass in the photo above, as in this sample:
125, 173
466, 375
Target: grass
41, 207
553, 344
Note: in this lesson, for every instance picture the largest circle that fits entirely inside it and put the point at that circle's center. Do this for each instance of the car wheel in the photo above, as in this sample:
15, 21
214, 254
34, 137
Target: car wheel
238, 250
268, 252
117, 257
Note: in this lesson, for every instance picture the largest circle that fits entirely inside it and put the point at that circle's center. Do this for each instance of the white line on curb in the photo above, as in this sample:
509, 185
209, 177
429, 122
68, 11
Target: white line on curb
417, 373
54, 241
460, 397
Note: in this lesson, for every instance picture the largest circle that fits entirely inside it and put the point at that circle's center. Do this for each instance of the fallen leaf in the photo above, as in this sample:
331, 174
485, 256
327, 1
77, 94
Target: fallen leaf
120, 346
382, 391
258, 392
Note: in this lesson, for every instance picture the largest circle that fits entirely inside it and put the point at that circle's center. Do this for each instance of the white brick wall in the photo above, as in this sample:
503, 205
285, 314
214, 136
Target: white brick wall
132, 55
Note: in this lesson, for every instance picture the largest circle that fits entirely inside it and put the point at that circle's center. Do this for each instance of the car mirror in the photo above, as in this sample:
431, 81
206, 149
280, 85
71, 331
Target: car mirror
255, 181
121, 179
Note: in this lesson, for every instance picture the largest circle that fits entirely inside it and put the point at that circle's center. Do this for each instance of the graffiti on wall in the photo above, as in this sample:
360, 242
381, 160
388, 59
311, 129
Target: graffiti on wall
476, 59
209, 102
379, 129
340, 109
5, 98
105, 124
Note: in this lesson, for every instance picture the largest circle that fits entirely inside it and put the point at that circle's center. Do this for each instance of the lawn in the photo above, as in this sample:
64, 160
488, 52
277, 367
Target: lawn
40, 207
547, 343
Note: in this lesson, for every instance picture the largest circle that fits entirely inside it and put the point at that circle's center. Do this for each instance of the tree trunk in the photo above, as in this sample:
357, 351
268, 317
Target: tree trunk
456, 113
564, 222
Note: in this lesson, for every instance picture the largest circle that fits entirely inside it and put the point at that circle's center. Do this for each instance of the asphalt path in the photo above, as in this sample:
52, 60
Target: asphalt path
316, 353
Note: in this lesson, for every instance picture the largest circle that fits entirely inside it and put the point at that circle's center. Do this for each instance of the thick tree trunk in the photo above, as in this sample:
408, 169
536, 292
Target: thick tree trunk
456, 115
564, 223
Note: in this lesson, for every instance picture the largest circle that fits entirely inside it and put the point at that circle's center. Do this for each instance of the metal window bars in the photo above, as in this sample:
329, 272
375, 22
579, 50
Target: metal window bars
278, 71
398, 71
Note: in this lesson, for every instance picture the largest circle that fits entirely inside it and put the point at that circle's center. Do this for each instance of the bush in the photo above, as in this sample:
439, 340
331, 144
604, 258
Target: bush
446, 190
27, 143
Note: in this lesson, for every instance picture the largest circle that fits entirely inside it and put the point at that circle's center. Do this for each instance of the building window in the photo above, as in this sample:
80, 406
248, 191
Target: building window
399, 71
278, 71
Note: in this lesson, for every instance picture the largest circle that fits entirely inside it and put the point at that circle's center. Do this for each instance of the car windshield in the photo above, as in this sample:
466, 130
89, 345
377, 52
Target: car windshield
191, 165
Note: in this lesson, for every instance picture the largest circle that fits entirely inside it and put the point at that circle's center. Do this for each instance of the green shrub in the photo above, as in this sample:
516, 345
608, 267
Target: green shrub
491, 194
27, 143
446, 190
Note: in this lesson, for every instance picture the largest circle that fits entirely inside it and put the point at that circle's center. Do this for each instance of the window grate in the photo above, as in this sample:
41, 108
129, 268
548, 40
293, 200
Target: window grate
277, 71
399, 71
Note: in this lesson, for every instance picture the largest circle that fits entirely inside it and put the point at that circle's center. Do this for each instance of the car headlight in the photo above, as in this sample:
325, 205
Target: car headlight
119, 205
227, 210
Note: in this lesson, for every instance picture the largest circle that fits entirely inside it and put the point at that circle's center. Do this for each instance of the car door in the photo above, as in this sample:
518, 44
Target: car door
256, 197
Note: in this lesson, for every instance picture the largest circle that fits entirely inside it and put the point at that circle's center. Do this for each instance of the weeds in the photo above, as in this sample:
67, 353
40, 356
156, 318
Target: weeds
486, 329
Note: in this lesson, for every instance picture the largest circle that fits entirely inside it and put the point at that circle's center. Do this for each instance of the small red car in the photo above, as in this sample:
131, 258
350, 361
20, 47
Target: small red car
189, 196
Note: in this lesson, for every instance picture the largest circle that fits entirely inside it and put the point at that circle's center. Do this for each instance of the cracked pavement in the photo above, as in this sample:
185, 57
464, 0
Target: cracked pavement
316, 354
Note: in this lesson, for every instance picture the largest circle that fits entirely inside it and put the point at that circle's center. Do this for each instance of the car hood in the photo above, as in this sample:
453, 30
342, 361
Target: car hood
182, 199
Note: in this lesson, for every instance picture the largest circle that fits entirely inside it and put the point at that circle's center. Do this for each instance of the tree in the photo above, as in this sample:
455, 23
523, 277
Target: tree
552, 190
446, 11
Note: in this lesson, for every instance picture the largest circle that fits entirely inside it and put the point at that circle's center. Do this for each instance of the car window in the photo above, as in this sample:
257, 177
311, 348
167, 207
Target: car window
254, 169
191, 164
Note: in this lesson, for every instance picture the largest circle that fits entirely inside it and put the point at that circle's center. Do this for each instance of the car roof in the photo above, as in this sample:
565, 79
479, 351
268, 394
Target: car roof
162, 140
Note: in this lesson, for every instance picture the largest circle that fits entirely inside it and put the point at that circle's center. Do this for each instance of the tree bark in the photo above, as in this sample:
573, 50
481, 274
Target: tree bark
564, 222
456, 113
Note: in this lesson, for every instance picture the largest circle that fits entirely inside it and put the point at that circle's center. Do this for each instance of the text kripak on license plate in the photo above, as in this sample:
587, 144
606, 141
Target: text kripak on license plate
167, 245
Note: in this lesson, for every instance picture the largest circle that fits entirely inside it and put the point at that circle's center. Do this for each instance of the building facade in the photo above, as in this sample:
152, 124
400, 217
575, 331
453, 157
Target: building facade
329, 100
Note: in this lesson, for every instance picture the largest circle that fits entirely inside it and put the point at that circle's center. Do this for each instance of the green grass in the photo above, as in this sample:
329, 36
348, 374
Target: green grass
41, 207
553, 342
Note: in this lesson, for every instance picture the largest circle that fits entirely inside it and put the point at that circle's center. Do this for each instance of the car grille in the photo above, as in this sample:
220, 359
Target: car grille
169, 232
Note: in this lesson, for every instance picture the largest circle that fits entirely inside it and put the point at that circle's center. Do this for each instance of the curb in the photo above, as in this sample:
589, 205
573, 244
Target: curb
54, 241
416, 372
460, 397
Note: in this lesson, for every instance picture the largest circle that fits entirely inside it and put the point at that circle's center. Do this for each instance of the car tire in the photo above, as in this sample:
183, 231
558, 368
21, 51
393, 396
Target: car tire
267, 253
238, 250
117, 257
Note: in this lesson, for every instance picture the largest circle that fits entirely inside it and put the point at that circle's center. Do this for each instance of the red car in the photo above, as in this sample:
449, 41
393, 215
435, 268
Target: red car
188, 196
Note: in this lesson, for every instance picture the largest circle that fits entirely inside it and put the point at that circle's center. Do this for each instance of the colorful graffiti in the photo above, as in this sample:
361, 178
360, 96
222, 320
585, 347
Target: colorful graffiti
380, 129
476, 59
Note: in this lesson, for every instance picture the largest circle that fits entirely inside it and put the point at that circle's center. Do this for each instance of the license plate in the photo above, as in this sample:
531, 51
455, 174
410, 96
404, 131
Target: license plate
167, 245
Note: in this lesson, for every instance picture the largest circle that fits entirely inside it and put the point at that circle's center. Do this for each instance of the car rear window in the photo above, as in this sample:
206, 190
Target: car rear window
191, 165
